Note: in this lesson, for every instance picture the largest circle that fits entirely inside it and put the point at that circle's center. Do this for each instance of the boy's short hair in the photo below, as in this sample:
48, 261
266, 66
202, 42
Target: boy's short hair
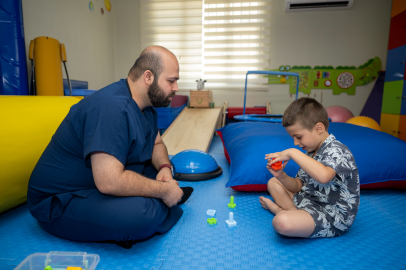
307, 112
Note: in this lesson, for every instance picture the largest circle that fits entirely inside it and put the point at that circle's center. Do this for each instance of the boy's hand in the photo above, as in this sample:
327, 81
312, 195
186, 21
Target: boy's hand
271, 169
272, 158
279, 156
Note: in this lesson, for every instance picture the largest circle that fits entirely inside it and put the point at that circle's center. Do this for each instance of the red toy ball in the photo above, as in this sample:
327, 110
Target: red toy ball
339, 114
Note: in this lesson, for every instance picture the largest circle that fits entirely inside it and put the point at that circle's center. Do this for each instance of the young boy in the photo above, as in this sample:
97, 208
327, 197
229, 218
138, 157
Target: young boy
323, 199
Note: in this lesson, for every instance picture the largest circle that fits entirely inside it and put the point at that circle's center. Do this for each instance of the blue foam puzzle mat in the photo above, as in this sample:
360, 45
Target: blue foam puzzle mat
377, 240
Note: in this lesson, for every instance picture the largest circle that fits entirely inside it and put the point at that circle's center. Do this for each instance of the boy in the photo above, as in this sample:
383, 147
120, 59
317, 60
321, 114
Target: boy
323, 199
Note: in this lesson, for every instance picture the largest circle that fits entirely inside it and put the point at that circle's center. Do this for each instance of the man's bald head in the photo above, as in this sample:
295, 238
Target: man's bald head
151, 59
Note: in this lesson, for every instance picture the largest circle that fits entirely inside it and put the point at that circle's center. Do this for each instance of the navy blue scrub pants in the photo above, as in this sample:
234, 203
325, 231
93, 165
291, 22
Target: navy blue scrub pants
100, 217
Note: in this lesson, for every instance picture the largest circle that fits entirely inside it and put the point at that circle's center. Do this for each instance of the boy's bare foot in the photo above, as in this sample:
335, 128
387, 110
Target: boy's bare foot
269, 205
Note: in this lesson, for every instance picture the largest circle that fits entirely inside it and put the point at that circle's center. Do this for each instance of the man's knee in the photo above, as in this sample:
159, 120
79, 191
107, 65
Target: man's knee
154, 216
282, 223
145, 215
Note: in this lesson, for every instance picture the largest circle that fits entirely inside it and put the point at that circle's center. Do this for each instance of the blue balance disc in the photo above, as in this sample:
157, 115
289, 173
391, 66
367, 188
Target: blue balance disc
195, 165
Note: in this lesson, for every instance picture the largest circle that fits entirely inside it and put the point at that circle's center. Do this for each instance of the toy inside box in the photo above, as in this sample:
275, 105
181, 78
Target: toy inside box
59, 260
200, 99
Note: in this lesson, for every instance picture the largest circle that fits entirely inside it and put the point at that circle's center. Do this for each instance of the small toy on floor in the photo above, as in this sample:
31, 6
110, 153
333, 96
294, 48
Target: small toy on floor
232, 204
231, 222
211, 212
212, 221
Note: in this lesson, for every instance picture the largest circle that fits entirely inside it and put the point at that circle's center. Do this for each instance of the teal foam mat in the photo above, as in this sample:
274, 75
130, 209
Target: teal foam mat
377, 240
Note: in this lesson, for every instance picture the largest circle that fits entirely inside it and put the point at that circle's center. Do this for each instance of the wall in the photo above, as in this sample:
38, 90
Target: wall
88, 36
334, 38
347, 38
128, 43
102, 48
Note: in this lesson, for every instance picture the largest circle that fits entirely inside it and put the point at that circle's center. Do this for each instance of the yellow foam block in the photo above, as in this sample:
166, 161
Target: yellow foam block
27, 126
74, 268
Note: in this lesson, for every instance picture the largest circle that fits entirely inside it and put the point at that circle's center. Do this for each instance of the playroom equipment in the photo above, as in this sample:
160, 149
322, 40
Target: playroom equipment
373, 105
374, 152
13, 66
195, 165
25, 133
231, 204
364, 121
342, 79
393, 114
231, 222
166, 116
192, 129
268, 117
211, 212
200, 84
46, 55
212, 221
276, 166
339, 114
201, 99
60, 260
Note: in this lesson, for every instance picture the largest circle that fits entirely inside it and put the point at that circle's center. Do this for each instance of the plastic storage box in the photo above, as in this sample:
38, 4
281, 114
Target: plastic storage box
59, 260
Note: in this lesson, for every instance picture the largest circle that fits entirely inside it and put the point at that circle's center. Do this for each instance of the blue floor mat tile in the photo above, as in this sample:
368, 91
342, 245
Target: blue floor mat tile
377, 240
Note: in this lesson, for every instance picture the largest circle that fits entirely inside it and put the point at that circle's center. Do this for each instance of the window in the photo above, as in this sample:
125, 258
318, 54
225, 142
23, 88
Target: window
216, 40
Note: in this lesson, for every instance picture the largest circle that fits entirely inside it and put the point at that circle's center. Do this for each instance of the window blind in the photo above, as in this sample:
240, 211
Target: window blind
216, 40
236, 39
177, 26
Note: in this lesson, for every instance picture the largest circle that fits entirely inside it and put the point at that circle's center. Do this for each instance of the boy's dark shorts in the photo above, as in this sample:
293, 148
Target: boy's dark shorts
324, 223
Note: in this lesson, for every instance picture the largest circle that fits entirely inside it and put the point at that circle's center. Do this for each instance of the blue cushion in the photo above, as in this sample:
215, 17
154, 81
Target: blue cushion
380, 157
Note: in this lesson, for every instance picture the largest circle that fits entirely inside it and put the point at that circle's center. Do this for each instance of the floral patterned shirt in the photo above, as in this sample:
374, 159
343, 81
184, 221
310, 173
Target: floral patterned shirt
339, 199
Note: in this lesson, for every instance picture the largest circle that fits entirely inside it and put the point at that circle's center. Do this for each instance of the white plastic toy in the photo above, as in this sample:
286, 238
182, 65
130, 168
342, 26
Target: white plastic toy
200, 84
231, 222
211, 212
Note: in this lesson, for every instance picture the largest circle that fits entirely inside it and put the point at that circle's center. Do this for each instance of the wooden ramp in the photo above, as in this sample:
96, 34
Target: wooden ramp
192, 129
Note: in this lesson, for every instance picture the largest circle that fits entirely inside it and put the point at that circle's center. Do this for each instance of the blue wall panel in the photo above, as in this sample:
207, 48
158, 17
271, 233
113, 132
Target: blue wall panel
13, 65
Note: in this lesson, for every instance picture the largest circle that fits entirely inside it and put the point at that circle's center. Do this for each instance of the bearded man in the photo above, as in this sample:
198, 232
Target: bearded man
106, 174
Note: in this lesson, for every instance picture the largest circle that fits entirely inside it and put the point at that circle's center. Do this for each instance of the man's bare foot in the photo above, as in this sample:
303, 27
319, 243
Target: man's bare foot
269, 205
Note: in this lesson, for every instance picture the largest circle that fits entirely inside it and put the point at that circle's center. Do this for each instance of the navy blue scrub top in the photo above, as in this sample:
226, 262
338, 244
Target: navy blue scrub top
109, 121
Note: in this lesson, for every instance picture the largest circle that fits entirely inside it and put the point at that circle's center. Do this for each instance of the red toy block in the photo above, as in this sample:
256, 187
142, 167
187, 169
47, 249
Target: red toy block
276, 166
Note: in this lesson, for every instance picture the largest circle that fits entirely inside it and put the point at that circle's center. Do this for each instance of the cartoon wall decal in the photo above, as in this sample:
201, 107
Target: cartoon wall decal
107, 4
91, 6
340, 79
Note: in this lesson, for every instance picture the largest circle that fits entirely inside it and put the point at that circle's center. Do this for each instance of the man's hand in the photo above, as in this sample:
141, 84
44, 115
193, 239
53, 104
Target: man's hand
164, 175
173, 193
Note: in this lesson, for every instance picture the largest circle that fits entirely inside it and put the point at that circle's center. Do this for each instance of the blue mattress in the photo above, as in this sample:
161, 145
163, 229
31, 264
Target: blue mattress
377, 239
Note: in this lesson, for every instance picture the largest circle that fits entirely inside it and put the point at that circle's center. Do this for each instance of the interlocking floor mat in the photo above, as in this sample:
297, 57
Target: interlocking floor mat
377, 240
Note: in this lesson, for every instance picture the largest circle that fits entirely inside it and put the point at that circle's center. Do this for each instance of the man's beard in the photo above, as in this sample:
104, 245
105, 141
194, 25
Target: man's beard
157, 96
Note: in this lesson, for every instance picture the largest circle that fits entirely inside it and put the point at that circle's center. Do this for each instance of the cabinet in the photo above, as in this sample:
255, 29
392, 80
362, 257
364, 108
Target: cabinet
390, 123
402, 127
200, 99
393, 114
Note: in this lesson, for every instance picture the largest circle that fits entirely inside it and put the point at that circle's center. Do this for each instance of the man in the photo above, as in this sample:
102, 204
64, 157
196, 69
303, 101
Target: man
94, 180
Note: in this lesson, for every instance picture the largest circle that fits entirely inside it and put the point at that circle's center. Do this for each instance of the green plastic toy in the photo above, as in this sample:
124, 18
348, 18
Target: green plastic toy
212, 221
48, 268
232, 204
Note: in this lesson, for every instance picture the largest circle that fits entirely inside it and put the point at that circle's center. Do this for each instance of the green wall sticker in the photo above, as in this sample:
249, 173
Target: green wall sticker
342, 79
